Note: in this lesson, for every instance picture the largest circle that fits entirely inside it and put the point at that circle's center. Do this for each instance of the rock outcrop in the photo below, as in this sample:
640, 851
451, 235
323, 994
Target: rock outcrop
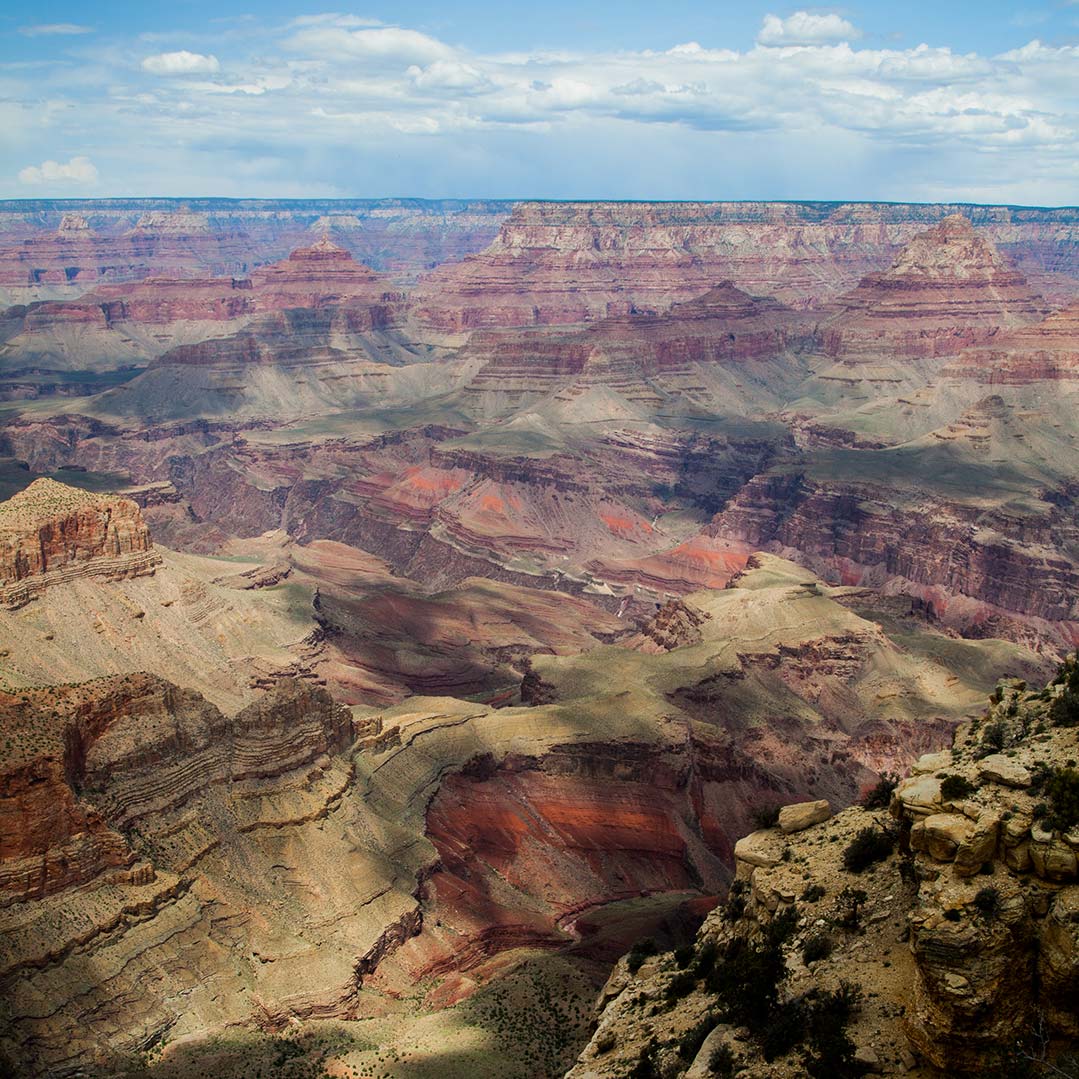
50, 533
131, 239
939, 936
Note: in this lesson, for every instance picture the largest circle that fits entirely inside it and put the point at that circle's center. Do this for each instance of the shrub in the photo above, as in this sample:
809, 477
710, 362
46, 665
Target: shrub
993, 736
869, 846
1062, 789
954, 788
784, 1031
706, 959
848, 907
952, 915
813, 893
817, 946
766, 816
831, 1052
721, 1062
879, 796
736, 907
683, 956
987, 901
746, 982
1064, 711
783, 925
693, 1039
681, 985
640, 951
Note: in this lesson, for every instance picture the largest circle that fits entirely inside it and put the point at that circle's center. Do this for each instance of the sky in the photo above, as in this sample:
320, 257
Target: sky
919, 101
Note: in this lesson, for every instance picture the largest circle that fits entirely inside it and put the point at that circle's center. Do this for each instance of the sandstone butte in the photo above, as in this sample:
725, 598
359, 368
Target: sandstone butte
50, 533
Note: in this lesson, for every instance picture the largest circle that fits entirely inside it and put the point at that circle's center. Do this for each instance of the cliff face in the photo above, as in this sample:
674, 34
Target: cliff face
971, 565
90, 243
50, 532
697, 354
128, 325
1047, 351
618, 254
939, 936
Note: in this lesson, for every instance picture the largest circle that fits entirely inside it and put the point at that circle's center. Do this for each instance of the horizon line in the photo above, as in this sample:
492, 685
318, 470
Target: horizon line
10, 202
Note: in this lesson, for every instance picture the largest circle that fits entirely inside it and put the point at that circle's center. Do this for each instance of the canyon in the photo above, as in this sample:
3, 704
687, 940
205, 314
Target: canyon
405, 607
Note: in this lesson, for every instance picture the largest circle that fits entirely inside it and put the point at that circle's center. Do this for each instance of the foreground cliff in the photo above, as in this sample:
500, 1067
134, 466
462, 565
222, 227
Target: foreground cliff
931, 931
51, 533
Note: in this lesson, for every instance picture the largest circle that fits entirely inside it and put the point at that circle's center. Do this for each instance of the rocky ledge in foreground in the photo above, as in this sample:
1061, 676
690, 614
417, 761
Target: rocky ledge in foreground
933, 930
50, 532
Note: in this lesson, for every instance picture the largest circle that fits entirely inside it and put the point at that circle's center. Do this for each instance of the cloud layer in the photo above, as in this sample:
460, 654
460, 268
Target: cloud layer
329, 104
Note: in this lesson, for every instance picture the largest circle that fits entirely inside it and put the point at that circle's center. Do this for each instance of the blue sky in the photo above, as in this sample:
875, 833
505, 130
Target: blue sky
665, 100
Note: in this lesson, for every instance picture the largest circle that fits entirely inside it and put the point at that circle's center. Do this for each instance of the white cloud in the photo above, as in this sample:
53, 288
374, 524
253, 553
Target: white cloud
180, 63
50, 29
390, 43
334, 19
448, 75
804, 28
802, 110
79, 170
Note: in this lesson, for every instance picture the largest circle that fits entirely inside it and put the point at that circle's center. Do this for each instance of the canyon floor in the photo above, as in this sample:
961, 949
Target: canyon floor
405, 608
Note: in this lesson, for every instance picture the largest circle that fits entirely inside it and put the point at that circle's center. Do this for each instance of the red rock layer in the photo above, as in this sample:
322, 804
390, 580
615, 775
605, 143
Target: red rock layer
639, 355
314, 277
98, 241
970, 565
948, 289
1045, 352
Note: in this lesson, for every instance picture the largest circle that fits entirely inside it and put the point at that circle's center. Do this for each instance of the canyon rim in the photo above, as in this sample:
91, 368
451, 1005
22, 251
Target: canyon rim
594, 614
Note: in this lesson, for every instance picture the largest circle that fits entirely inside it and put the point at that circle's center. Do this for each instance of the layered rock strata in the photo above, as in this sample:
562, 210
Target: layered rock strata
51, 533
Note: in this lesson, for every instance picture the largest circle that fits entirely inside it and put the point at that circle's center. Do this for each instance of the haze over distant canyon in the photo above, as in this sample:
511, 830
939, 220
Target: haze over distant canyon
408, 608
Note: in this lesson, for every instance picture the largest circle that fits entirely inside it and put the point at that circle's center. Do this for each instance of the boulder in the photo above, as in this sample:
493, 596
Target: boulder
932, 762
802, 815
1053, 860
941, 835
764, 849
1004, 770
919, 795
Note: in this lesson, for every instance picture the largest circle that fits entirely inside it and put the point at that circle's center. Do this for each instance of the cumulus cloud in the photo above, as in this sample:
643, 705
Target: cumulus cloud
180, 63
54, 29
78, 170
804, 28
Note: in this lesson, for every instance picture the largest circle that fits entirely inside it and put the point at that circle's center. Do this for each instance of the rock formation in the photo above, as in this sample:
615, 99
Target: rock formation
949, 289
51, 533
622, 254
173, 871
942, 934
